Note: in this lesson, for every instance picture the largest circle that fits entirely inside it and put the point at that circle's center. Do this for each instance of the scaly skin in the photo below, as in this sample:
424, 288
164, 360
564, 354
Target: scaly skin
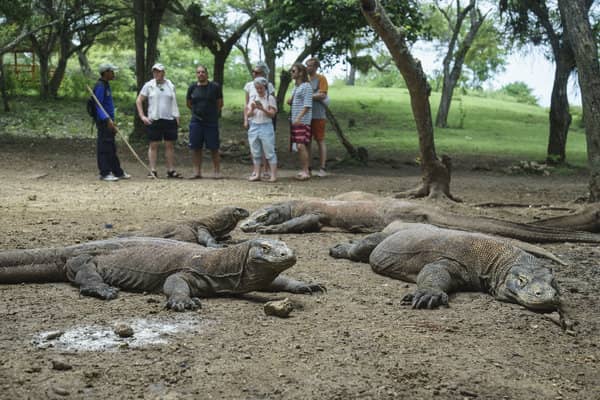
442, 261
371, 216
184, 272
206, 231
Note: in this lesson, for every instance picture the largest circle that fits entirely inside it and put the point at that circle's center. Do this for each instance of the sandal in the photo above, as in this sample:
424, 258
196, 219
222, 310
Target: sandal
195, 177
174, 174
152, 175
254, 178
302, 176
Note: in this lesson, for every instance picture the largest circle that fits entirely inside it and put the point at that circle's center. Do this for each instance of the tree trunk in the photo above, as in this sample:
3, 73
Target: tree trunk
3, 90
352, 73
435, 172
84, 63
139, 10
584, 47
559, 116
218, 74
457, 59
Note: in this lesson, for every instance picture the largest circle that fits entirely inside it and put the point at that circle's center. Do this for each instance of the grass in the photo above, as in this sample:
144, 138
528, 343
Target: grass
379, 119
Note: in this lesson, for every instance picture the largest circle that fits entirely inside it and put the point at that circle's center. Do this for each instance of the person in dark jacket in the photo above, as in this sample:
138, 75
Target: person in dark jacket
106, 147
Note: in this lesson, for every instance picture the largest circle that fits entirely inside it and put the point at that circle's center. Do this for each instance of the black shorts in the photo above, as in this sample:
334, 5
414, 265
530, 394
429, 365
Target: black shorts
163, 129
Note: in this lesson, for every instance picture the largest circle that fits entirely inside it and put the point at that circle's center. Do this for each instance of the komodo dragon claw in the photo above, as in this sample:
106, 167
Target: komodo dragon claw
103, 292
426, 299
310, 288
183, 303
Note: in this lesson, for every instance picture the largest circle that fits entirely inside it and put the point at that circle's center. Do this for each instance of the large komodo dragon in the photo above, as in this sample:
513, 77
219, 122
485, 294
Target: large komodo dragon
207, 231
182, 271
297, 216
441, 261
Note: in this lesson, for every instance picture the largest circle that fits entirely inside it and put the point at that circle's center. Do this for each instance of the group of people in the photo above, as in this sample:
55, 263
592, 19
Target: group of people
204, 98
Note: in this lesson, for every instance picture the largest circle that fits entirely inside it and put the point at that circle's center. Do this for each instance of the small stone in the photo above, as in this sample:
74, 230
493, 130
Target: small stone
279, 308
32, 197
61, 365
60, 391
123, 330
53, 335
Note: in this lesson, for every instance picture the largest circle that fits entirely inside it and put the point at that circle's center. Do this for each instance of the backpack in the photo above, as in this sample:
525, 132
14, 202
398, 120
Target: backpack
90, 105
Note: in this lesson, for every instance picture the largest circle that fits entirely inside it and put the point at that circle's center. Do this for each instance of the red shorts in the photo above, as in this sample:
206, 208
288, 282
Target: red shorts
300, 133
317, 127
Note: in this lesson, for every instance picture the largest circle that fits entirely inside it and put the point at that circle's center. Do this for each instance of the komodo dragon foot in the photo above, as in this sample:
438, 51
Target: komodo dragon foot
340, 250
426, 298
308, 288
182, 303
101, 291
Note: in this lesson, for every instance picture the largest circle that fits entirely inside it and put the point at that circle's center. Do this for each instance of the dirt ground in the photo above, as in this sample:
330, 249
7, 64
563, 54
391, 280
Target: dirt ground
355, 341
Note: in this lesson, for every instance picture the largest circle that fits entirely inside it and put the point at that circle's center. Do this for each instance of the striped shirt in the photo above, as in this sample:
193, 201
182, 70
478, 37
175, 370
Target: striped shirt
302, 97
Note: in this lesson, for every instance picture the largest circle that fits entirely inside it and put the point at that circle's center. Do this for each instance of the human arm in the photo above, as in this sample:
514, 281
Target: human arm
139, 104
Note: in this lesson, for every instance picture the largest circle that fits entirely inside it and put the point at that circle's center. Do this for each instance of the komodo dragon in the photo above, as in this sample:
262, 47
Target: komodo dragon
441, 261
297, 216
182, 271
206, 231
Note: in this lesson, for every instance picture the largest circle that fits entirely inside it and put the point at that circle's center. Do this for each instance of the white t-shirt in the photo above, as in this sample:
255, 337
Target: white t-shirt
162, 102
259, 116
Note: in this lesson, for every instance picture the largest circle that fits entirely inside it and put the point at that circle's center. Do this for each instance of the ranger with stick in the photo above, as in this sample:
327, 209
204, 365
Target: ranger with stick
106, 147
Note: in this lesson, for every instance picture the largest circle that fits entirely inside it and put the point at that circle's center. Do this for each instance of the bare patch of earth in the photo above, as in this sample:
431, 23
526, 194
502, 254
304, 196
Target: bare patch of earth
355, 341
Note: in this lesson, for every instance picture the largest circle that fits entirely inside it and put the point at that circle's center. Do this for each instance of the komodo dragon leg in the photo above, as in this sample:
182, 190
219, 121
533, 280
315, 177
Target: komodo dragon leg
358, 250
286, 284
434, 282
178, 293
302, 224
205, 238
82, 271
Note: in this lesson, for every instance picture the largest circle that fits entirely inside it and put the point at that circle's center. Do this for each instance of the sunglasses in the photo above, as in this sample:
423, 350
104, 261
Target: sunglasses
257, 72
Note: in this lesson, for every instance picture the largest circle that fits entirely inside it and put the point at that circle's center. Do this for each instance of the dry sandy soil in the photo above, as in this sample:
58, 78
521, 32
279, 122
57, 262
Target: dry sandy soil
355, 341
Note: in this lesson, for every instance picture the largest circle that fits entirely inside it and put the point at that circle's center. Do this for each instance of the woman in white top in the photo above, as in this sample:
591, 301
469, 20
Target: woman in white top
162, 120
260, 111
261, 69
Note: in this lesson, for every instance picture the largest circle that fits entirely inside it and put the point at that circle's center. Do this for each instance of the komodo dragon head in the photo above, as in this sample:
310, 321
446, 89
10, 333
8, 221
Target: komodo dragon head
269, 215
266, 259
532, 286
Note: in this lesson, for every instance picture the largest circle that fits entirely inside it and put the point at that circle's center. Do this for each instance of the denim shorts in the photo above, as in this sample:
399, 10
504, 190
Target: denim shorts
204, 134
261, 138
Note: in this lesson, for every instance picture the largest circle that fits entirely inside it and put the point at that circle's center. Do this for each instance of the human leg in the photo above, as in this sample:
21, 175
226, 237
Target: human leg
153, 154
216, 160
170, 155
197, 163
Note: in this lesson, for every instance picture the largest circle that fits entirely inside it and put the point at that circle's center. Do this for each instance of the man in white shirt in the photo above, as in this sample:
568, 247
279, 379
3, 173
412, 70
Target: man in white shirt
162, 119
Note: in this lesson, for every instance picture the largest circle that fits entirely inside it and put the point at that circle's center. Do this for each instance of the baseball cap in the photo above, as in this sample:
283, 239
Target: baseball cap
107, 67
158, 66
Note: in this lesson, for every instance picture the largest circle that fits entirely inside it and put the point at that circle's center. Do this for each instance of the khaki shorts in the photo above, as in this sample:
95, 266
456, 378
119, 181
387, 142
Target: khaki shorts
317, 126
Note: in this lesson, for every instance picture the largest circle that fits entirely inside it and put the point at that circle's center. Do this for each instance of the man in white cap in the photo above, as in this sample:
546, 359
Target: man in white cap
106, 147
162, 119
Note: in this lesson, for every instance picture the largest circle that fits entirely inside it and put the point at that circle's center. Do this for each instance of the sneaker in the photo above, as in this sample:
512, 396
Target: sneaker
124, 176
109, 178
217, 175
321, 173
152, 175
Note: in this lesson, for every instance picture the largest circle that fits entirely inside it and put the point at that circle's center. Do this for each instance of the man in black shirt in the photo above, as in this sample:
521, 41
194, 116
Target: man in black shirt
205, 99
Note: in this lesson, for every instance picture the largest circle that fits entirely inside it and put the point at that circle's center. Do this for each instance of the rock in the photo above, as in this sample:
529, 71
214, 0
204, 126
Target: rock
52, 335
61, 365
279, 308
60, 391
123, 330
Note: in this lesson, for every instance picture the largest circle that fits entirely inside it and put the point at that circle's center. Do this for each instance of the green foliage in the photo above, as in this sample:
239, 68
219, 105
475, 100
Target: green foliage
521, 92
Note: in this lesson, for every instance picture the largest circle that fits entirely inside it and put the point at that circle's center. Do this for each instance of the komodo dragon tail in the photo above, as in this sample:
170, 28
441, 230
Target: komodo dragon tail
35, 265
515, 230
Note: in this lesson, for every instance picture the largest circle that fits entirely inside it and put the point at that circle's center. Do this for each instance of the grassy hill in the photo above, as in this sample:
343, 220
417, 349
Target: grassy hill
379, 119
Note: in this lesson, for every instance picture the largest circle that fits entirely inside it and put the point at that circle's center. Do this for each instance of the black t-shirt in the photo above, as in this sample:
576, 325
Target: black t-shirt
204, 101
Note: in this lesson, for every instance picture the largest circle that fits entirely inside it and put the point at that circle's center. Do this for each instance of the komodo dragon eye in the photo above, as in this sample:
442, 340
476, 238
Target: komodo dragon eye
522, 280
265, 247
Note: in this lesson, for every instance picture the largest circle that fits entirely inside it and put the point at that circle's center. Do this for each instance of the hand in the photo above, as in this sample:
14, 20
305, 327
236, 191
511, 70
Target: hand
289, 102
246, 124
146, 120
111, 126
